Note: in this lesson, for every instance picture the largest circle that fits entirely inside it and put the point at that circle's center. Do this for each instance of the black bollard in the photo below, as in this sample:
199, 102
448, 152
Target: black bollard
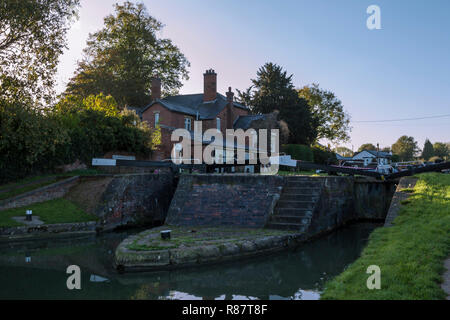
165, 235
29, 215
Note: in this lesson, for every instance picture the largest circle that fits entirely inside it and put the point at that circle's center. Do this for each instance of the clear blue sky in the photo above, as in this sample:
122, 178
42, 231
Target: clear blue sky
400, 71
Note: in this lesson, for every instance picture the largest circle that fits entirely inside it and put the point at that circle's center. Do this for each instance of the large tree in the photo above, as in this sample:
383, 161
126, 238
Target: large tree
406, 148
343, 151
333, 121
273, 90
441, 150
121, 59
367, 146
32, 37
428, 150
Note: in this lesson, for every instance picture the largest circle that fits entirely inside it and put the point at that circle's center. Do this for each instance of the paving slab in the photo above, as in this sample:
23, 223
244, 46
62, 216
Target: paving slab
36, 221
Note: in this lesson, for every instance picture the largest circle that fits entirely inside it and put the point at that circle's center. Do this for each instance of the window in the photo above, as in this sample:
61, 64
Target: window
187, 123
218, 123
156, 119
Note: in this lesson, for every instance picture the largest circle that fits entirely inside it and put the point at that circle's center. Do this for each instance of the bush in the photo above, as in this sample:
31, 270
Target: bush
95, 126
29, 140
323, 156
436, 159
36, 141
298, 152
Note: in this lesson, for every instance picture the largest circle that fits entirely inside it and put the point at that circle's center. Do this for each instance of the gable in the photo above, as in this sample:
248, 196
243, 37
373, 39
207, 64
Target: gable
362, 155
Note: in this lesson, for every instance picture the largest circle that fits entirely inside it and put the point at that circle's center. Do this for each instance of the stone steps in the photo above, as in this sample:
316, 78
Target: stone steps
303, 184
299, 197
295, 207
305, 191
293, 211
296, 204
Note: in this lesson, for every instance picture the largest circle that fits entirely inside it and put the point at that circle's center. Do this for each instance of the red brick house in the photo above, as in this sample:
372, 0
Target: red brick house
180, 111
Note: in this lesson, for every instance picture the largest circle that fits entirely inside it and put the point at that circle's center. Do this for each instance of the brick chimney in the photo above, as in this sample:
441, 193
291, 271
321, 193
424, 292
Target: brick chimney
230, 111
156, 88
210, 85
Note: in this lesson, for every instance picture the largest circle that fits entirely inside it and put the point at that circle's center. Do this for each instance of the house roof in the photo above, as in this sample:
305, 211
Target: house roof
193, 104
381, 154
245, 122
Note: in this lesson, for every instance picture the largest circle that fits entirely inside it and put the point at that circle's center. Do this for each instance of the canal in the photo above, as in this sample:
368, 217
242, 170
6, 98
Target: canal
37, 270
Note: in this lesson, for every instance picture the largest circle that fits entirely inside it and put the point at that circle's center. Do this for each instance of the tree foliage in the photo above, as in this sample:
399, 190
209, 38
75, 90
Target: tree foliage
343, 151
367, 146
328, 111
32, 37
29, 140
406, 148
121, 59
428, 150
441, 150
273, 90
96, 126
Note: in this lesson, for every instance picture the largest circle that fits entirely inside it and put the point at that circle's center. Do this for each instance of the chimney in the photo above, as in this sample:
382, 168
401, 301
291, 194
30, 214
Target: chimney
230, 113
156, 88
230, 95
210, 85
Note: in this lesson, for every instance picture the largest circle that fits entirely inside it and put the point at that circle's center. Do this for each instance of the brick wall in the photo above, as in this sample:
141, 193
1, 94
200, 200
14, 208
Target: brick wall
224, 200
132, 200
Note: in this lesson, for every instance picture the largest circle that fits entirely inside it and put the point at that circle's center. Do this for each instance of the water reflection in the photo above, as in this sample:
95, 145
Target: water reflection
37, 271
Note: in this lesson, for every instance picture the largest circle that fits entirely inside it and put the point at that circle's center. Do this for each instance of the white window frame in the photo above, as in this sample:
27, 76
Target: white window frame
218, 124
157, 115
188, 123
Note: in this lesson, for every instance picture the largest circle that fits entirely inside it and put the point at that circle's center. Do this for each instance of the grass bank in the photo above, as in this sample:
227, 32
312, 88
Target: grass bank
50, 212
410, 254
31, 183
302, 173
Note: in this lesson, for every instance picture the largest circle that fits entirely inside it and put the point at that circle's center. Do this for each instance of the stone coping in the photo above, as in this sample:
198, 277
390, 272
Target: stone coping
47, 231
405, 184
194, 246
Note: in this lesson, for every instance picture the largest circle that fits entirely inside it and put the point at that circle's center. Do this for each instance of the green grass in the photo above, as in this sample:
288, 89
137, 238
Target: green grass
51, 212
32, 183
410, 254
301, 173
202, 236
24, 189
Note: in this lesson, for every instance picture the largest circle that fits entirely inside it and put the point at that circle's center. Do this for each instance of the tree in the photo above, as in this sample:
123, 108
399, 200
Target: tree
343, 151
428, 150
367, 146
29, 140
96, 126
273, 90
32, 37
441, 150
327, 109
406, 148
121, 59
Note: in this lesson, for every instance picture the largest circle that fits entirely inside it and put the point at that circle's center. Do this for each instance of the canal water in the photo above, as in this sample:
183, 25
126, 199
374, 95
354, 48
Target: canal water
37, 270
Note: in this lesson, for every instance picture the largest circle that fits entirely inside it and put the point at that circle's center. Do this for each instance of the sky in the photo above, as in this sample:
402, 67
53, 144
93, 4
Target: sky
399, 71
